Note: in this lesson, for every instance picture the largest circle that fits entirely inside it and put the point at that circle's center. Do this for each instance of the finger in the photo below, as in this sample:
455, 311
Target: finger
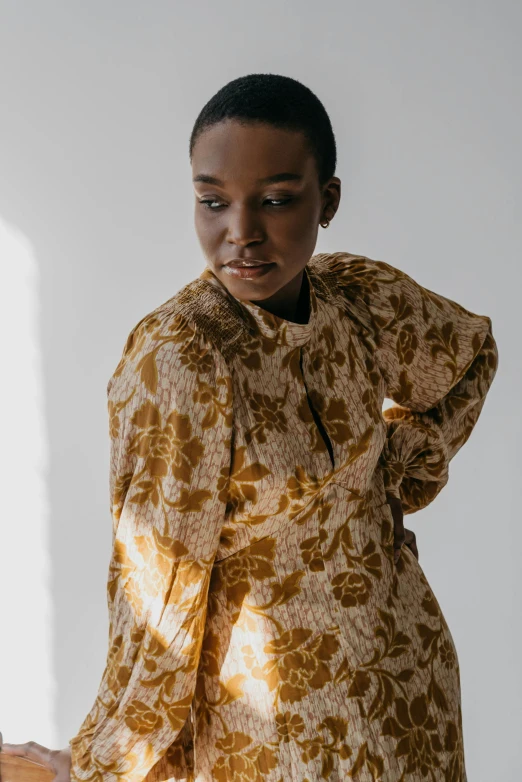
399, 533
397, 548
13, 749
409, 536
398, 543
398, 523
411, 542
399, 538
30, 750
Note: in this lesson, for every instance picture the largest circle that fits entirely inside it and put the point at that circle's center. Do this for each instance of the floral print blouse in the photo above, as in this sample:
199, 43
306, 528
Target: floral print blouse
260, 630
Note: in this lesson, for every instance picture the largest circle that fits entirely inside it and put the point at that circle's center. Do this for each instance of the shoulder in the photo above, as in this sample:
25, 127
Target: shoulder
362, 278
405, 323
189, 335
360, 285
362, 288
378, 292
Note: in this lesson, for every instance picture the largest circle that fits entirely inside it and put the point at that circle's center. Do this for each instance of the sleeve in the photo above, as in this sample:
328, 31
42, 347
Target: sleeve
438, 360
170, 419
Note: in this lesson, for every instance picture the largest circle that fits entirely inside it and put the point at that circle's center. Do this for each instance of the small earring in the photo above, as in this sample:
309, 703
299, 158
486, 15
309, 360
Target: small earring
325, 224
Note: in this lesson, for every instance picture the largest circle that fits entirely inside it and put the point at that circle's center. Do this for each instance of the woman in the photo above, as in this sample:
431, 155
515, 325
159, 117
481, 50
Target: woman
267, 621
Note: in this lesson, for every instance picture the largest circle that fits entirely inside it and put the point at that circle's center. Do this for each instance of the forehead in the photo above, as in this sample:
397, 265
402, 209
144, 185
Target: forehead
238, 153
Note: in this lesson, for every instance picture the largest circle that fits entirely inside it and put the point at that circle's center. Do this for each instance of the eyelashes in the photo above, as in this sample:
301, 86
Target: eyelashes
276, 203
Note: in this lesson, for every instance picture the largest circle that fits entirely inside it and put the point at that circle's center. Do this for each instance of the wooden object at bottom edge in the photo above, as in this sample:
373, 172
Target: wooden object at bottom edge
17, 769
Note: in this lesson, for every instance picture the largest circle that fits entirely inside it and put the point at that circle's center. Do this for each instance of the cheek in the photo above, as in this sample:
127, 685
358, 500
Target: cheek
300, 226
207, 231
298, 239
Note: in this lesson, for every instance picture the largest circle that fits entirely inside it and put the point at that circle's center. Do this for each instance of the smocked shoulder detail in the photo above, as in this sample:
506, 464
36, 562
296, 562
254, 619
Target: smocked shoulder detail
217, 316
323, 276
199, 307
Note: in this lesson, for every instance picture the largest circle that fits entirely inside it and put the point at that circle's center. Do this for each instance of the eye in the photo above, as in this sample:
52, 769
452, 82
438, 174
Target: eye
275, 202
279, 201
207, 203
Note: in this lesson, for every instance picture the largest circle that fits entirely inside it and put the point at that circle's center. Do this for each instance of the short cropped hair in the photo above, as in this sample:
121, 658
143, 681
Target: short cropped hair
275, 100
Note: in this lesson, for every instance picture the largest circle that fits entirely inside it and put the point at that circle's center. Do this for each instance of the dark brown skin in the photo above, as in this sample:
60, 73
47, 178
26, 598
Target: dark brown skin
402, 536
245, 222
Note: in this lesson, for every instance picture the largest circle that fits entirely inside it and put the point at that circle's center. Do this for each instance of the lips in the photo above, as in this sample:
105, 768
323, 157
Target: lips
245, 263
248, 268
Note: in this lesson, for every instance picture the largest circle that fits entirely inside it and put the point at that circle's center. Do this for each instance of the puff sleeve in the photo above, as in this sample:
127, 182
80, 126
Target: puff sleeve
170, 418
438, 360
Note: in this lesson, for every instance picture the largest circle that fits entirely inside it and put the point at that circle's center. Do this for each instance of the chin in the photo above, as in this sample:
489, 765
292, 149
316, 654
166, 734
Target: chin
252, 292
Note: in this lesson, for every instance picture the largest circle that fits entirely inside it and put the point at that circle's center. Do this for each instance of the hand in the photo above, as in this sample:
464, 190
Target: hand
56, 760
400, 534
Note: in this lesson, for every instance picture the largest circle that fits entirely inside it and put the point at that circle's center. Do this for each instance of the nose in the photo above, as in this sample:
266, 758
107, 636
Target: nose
244, 227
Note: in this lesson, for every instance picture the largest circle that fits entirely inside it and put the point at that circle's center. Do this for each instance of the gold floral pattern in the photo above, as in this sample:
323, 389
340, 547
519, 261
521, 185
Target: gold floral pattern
240, 761
259, 629
299, 662
416, 731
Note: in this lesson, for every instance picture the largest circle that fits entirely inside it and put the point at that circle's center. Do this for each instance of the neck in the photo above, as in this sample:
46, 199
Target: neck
291, 302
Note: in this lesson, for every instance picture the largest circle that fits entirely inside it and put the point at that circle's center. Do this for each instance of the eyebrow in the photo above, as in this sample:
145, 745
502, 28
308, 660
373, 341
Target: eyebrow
285, 176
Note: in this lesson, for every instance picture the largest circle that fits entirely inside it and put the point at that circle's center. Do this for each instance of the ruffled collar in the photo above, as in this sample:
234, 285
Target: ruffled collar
272, 327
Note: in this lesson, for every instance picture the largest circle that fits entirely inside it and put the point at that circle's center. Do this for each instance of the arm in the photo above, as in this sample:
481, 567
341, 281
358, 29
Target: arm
170, 412
438, 360
420, 445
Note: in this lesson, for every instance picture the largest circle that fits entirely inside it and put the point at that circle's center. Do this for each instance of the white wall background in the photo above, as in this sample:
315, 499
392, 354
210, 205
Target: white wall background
97, 101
